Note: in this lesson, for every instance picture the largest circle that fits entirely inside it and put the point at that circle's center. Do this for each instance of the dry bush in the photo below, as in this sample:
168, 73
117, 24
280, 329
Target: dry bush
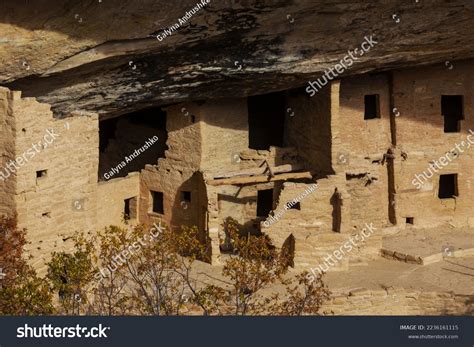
22, 292
137, 271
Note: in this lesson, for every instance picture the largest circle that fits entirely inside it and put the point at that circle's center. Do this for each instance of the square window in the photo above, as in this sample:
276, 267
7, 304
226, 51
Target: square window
293, 205
157, 206
41, 173
264, 202
448, 186
452, 109
185, 196
410, 220
372, 106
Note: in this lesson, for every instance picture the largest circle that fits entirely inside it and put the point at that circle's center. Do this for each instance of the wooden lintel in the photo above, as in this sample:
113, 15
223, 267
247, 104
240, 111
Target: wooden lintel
259, 179
260, 171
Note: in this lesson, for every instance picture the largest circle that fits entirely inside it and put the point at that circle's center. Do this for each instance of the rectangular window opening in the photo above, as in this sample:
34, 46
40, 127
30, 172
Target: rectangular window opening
293, 206
372, 106
157, 206
185, 196
41, 173
410, 220
448, 186
452, 109
130, 208
264, 202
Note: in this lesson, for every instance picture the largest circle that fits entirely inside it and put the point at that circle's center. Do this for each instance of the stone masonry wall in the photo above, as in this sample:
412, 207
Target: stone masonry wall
359, 137
7, 143
224, 131
360, 147
421, 139
308, 129
398, 301
240, 203
203, 138
56, 191
313, 227
368, 190
111, 197
174, 173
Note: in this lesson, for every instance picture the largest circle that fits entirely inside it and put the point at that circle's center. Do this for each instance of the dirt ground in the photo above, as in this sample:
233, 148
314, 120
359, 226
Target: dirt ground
451, 274
424, 242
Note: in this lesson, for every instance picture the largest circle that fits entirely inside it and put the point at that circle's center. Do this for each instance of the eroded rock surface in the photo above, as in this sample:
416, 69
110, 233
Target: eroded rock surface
103, 55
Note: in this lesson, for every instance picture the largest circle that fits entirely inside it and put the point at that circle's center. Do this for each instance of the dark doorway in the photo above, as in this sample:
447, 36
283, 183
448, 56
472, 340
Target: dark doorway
448, 186
129, 142
266, 115
126, 208
372, 106
157, 206
264, 202
130, 208
452, 109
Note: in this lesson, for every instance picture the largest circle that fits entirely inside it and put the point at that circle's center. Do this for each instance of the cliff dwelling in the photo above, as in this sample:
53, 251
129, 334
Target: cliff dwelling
198, 163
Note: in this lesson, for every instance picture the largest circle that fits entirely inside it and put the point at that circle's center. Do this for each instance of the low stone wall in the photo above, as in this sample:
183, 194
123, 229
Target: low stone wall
400, 301
426, 260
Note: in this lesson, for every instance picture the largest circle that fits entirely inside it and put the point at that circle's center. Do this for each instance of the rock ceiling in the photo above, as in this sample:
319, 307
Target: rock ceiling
104, 55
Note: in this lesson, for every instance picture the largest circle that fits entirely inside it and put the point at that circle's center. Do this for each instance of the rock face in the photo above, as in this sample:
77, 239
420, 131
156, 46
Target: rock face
113, 57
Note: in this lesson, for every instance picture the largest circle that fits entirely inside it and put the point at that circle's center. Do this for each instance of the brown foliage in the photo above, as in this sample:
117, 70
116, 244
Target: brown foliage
137, 271
21, 291
252, 275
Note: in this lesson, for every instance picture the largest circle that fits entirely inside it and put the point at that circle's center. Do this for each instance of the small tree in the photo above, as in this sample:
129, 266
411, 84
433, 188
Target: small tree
109, 294
253, 272
161, 273
304, 296
145, 271
21, 291
12, 243
70, 275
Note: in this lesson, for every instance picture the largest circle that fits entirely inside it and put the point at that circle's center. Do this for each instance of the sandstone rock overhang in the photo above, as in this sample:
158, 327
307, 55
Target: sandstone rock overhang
103, 56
